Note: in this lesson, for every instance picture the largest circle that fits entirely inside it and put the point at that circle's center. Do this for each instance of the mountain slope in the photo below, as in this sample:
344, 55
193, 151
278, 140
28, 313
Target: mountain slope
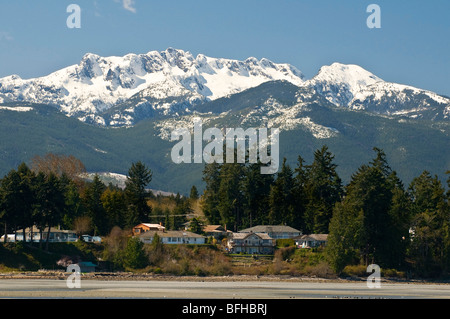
99, 83
121, 91
411, 145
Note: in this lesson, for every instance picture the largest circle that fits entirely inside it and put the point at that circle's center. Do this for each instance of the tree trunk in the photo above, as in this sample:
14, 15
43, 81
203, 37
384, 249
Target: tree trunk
48, 236
6, 235
40, 238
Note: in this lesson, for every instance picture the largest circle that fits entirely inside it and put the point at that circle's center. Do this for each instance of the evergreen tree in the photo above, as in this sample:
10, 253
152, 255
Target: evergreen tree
367, 210
18, 197
135, 257
345, 237
256, 191
281, 197
50, 204
300, 199
400, 215
430, 225
92, 199
74, 206
323, 189
210, 199
231, 201
179, 213
196, 226
194, 193
114, 204
139, 176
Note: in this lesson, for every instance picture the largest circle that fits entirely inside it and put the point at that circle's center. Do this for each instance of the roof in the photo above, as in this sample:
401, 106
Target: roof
172, 233
213, 228
36, 230
86, 264
151, 225
245, 235
270, 229
318, 237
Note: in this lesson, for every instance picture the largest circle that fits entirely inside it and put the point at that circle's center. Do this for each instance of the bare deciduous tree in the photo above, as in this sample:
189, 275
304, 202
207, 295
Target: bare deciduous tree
69, 165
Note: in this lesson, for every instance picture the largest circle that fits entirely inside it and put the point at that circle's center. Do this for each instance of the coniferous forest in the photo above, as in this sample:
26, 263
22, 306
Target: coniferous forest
374, 219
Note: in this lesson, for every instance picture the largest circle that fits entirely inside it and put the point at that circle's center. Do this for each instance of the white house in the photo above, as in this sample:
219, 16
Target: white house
34, 234
274, 231
173, 237
311, 241
250, 243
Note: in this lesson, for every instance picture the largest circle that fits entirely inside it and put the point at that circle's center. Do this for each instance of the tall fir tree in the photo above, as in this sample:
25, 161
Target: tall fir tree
256, 192
138, 178
210, 198
430, 226
323, 189
231, 201
281, 197
92, 199
367, 211
49, 204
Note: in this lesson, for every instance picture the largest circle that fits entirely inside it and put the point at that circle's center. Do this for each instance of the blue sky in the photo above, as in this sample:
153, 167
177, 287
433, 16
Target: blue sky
412, 47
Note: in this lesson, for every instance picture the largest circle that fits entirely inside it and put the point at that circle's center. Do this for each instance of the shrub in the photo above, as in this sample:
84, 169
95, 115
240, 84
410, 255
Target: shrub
285, 242
355, 271
135, 257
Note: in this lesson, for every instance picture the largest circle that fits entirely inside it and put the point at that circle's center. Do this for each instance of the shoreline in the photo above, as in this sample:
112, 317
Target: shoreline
128, 276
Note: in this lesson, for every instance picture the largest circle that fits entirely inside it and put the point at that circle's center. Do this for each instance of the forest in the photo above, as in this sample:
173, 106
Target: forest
374, 219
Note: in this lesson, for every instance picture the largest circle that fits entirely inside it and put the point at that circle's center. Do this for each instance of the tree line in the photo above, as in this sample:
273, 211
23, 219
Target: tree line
375, 218
52, 192
239, 196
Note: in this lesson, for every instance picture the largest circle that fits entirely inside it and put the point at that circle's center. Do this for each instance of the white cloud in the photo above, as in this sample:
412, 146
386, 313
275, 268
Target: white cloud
129, 5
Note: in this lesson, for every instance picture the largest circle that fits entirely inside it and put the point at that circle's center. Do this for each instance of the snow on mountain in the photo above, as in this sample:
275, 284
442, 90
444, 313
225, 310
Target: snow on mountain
356, 88
98, 83
17, 108
119, 91
339, 82
273, 114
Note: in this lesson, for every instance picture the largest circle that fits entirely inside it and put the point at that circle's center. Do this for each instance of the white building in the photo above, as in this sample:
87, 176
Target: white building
250, 243
311, 241
173, 237
274, 231
56, 235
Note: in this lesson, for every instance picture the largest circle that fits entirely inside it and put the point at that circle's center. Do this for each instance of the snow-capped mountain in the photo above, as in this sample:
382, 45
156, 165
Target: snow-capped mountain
356, 88
120, 91
97, 83
339, 83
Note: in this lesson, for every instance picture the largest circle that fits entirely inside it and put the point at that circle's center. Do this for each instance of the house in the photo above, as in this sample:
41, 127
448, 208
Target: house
86, 266
91, 239
33, 233
251, 243
311, 241
216, 231
145, 227
172, 237
274, 231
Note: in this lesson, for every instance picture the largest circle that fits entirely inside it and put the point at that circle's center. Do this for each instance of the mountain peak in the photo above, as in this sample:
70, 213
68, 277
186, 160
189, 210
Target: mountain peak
351, 74
339, 82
